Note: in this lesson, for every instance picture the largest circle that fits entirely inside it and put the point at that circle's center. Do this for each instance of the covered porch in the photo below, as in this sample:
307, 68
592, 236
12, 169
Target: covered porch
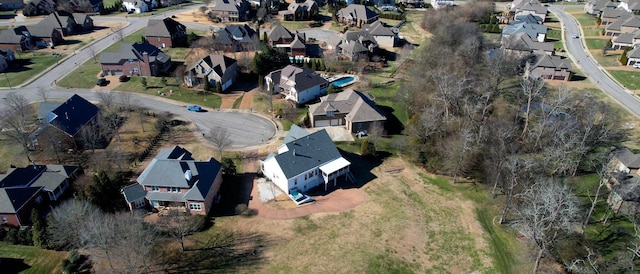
333, 170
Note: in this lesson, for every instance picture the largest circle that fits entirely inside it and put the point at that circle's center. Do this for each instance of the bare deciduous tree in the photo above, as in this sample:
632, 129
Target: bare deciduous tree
549, 210
107, 99
221, 138
180, 225
14, 121
43, 94
70, 214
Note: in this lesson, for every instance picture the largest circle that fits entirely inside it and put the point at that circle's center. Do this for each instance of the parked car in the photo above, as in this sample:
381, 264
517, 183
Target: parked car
195, 108
575, 36
636, 65
102, 82
123, 78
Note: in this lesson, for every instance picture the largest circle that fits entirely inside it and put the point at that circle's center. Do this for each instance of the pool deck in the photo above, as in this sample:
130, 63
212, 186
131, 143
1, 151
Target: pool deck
334, 78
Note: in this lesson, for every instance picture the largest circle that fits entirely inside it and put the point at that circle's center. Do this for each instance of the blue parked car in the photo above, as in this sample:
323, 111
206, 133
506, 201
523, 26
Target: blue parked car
195, 108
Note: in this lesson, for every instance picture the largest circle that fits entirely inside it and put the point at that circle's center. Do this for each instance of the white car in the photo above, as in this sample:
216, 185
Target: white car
575, 36
636, 65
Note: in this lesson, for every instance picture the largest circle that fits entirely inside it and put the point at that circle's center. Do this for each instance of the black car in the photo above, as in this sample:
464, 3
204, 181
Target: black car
102, 82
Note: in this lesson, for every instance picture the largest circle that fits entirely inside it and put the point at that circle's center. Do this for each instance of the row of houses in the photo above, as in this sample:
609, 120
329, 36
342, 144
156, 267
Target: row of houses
620, 23
49, 32
526, 36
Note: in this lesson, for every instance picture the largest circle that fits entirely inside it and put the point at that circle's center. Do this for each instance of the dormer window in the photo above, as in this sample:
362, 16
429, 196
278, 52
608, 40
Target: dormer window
330, 113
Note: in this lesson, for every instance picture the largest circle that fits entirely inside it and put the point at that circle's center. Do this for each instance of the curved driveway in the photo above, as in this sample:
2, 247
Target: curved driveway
578, 52
245, 129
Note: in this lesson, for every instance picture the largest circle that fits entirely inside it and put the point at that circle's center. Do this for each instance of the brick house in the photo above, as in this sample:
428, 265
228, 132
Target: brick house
136, 59
293, 44
166, 33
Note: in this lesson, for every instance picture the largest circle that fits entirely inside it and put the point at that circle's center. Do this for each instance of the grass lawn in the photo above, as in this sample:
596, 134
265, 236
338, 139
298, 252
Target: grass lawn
83, 77
154, 84
132, 38
585, 20
294, 25
26, 66
596, 43
554, 34
592, 32
237, 102
610, 60
385, 95
629, 79
32, 259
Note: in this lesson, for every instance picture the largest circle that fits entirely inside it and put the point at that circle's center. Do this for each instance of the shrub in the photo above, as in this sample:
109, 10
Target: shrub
367, 149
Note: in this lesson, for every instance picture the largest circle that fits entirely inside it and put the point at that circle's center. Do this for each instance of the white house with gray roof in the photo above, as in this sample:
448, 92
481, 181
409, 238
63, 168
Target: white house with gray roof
175, 179
304, 161
300, 85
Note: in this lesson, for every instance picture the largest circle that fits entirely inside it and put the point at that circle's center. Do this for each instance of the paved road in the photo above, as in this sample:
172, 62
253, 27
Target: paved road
590, 67
246, 129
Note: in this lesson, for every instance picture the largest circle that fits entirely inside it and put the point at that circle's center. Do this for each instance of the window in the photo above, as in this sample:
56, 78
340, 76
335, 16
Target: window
130, 60
155, 188
4, 219
195, 206
135, 69
139, 203
173, 189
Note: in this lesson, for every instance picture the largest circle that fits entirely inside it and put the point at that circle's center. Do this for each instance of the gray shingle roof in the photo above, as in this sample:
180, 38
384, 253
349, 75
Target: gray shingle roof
217, 63
530, 29
634, 53
164, 27
378, 29
134, 51
225, 5
522, 42
133, 192
628, 158
54, 176
548, 61
300, 78
357, 11
12, 199
307, 152
278, 32
358, 106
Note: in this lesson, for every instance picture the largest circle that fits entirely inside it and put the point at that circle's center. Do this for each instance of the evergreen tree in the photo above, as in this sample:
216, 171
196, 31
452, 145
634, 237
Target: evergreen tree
39, 229
218, 87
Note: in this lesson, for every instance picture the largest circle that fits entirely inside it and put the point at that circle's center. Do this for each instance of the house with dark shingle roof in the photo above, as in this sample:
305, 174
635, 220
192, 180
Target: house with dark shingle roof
230, 10
537, 32
626, 40
304, 162
236, 38
609, 16
134, 196
45, 34
633, 56
624, 197
68, 23
166, 33
300, 11
214, 68
38, 7
17, 39
353, 109
624, 160
175, 179
356, 15
596, 7
535, 9
281, 38
626, 23
551, 67
300, 85
11, 4
521, 44
72, 115
384, 36
22, 189
136, 59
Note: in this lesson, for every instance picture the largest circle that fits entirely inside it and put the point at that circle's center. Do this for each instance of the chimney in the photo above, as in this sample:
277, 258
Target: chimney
294, 152
66, 115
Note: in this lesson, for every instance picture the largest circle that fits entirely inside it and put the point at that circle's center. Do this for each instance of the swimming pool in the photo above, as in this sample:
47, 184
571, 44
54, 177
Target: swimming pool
343, 81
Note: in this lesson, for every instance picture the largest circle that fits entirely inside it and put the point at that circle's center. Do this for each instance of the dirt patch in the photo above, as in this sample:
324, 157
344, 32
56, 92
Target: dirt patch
228, 100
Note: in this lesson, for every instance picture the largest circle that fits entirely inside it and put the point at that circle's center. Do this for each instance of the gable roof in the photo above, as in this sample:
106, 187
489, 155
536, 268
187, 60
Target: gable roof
54, 176
300, 78
357, 105
230, 33
21, 177
634, 53
295, 132
307, 152
226, 5
279, 32
522, 42
627, 158
133, 192
164, 27
548, 61
613, 13
134, 51
530, 29
377, 28
528, 18
357, 11
217, 63
13, 199
46, 108
71, 115
534, 7
9, 36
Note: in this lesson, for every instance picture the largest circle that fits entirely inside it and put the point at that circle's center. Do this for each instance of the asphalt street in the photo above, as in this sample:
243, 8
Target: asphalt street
578, 52
245, 129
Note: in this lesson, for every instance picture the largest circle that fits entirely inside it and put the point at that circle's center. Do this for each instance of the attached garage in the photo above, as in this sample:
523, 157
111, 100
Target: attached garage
322, 123
336, 122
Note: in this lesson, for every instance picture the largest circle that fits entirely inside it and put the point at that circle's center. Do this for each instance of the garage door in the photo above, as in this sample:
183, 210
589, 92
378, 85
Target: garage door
116, 72
322, 123
336, 122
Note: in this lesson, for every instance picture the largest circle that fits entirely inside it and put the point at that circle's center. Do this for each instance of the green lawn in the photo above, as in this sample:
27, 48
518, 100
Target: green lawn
596, 43
84, 76
629, 79
610, 60
35, 260
592, 31
585, 20
385, 96
156, 87
294, 25
26, 66
554, 34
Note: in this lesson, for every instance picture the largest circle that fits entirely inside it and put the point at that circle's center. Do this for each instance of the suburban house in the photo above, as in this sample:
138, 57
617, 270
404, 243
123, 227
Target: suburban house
537, 32
528, 18
18, 39
281, 38
353, 109
68, 23
166, 33
136, 59
624, 181
300, 11
214, 68
439, 4
70, 116
38, 7
45, 35
356, 15
596, 7
633, 56
4, 65
357, 45
551, 67
175, 179
11, 4
535, 9
609, 16
300, 85
626, 23
139, 6
236, 38
521, 44
304, 161
384, 36
134, 195
230, 10
26, 188
626, 40
632, 6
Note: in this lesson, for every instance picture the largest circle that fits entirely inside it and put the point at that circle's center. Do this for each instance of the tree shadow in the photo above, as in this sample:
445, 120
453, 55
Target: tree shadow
71, 42
577, 78
221, 252
393, 125
20, 64
235, 190
13, 265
